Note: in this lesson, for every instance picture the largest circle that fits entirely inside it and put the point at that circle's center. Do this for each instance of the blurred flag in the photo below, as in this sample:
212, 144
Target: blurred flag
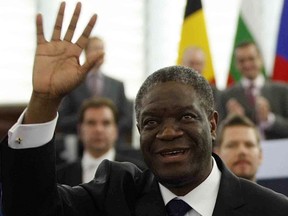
281, 58
249, 21
194, 34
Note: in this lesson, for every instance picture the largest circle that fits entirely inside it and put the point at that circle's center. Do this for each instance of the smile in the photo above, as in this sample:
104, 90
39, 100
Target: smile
173, 152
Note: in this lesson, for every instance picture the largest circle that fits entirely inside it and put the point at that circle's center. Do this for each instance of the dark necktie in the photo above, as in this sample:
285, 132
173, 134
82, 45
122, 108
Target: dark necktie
177, 207
250, 94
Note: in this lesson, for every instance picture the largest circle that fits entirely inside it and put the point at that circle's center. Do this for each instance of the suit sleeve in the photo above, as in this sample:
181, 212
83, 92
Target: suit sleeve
278, 98
29, 186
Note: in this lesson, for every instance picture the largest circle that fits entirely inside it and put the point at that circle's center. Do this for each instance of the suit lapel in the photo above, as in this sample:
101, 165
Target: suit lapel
229, 197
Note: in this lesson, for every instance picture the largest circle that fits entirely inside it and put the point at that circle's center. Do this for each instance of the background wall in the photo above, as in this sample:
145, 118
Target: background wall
141, 36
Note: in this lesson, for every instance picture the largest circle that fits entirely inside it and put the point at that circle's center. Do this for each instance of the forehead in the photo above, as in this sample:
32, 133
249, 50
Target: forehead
239, 133
98, 112
249, 49
169, 94
95, 43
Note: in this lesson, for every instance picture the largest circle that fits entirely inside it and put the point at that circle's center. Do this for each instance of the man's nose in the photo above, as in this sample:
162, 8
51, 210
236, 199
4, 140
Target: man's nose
98, 127
243, 149
169, 132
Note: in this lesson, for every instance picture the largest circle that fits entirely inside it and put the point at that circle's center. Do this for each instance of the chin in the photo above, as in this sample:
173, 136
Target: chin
175, 181
246, 176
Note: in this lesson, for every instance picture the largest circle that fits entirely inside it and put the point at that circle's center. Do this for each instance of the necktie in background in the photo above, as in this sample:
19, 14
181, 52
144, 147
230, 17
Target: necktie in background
177, 207
250, 94
95, 84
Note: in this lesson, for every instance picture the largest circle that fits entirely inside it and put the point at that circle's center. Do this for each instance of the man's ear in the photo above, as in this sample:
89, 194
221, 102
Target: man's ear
213, 124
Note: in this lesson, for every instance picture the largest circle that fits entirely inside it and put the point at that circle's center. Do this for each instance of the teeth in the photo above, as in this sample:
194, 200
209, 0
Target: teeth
174, 152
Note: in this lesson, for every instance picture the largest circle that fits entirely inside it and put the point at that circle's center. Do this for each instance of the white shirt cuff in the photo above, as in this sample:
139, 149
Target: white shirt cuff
23, 136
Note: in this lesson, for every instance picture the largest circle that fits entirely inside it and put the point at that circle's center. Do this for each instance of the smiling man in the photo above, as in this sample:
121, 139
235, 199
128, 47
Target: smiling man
177, 125
263, 101
238, 144
172, 114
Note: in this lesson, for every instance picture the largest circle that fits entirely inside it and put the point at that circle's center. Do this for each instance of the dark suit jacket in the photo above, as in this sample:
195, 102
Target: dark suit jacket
112, 89
275, 93
71, 173
29, 188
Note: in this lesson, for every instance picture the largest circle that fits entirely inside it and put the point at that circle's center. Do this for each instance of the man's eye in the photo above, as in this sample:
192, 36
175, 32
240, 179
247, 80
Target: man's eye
150, 123
188, 117
231, 145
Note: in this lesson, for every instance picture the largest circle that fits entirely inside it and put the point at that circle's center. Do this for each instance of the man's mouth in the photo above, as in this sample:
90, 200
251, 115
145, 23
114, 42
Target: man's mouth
242, 162
172, 152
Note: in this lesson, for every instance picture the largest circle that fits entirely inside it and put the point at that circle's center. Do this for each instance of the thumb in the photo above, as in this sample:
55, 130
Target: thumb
92, 61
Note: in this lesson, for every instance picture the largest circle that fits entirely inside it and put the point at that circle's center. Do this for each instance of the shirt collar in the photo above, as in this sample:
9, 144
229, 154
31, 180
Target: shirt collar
258, 82
92, 73
202, 198
88, 161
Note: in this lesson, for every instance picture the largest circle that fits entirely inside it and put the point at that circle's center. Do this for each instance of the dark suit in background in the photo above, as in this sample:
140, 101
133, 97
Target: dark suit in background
118, 189
71, 173
112, 89
275, 93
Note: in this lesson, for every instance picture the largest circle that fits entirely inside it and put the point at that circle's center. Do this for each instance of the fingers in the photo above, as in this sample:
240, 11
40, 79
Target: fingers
234, 107
39, 30
71, 28
58, 24
83, 39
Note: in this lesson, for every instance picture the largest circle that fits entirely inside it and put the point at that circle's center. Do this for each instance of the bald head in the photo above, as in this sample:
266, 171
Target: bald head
194, 57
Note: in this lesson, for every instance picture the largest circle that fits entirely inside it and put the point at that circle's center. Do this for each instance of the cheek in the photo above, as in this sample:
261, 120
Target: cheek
82, 134
227, 155
146, 141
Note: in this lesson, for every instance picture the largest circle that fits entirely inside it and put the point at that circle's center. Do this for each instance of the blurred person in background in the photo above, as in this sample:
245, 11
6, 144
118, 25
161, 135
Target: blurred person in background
238, 145
97, 84
264, 102
98, 132
194, 57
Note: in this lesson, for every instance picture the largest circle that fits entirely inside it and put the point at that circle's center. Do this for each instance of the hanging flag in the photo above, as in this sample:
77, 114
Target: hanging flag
194, 34
247, 23
280, 72
242, 34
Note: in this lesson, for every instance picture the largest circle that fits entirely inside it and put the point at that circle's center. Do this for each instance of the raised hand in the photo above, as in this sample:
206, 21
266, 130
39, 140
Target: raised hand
262, 109
234, 107
57, 70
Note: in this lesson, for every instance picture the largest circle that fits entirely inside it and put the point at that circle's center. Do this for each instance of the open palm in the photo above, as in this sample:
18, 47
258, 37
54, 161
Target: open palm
56, 68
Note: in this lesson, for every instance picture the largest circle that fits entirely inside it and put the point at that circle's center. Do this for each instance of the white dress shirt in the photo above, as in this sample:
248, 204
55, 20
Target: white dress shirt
21, 136
90, 164
258, 84
202, 199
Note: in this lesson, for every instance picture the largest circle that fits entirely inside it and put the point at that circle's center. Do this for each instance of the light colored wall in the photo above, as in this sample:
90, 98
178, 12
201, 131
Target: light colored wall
141, 36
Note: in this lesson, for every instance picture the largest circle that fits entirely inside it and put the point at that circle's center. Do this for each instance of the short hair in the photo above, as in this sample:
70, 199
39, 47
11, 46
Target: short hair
97, 103
179, 74
235, 120
246, 43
